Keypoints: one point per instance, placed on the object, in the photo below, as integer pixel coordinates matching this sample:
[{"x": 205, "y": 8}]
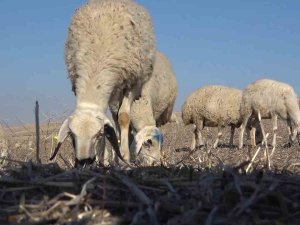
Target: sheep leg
[
  {"x": 232, "y": 130},
  {"x": 252, "y": 128},
  {"x": 252, "y": 136},
  {"x": 293, "y": 132},
  {"x": 199, "y": 137},
  {"x": 114, "y": 159},
  {"x": 242, "y": 130},
  {"x": 290, "y": 130},
  {"x": 193, "y": 145},
  {"x": 265, "y": 140},
  {"x": 218, "y": 136},
  {"x": 124, "y": 121},
  {"x": 198, "y": 133},
  {"x": 262, "y": 129},
  {"x": 274, "y": 123},
  {"x": 256, "y": 135}
]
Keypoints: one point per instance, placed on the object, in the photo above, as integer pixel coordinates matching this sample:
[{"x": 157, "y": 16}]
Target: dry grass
[
  {"x": 205, "y": 186},
  {"x": 32, "y": 194}
]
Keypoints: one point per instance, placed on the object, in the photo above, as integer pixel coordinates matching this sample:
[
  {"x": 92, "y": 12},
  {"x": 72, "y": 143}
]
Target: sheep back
[
  {"x": 214, "y": 105},
  {"x": 109, "y": 35},
  {"x": 158, "y": 95},
  {"x": 270, "y": 97}
]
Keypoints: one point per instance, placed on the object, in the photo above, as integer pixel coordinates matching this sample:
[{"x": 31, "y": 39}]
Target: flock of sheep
[
  {"x": 219, "y": 106},
  {"x": 112, "y": 62}
]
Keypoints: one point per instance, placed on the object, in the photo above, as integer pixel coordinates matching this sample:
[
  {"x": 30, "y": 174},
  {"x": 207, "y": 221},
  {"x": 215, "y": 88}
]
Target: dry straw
[{"x": 45, "y": 194}]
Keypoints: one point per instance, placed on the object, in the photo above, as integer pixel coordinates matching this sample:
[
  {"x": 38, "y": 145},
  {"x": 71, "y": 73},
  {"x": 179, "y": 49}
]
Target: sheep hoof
[
  {"x": 200, "y": 146},
  {"x": 287, "y": 145}
]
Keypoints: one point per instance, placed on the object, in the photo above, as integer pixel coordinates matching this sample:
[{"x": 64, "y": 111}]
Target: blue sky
[{"x": 208, "y": 42}]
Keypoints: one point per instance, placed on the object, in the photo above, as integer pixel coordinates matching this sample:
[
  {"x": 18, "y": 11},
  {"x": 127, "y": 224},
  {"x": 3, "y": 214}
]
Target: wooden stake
[{"x": 37, "y": 132}]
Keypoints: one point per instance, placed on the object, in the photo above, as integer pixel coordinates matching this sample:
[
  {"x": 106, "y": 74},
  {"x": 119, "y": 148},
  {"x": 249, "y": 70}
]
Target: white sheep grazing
[
  {"x": 269, "y": 99},
  {"x": 109, "y": 53},
  {"x": 212, "y": 106},
  {"x": 152, "y": 110}
]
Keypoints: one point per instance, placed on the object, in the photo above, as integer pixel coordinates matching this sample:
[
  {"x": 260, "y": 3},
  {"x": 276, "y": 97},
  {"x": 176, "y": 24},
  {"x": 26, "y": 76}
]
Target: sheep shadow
[
  {"x": 227, "y": 146},
  {"x": 188, "y": 149}
]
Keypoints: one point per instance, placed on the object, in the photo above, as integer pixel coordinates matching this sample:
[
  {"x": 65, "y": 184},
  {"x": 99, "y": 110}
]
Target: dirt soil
[
  {"x": 177, "y": 139},
  {"x": 205, "y": 186}
]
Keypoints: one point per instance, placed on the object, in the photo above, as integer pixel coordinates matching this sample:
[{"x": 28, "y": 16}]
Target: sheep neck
[{"x": 95, "y": 91}]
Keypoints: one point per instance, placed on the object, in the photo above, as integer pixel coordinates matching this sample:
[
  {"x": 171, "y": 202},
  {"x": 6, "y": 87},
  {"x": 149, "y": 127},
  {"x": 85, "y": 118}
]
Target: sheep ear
[
  {"x": 112, "y": 137},
  {"x": 138, "y": 147},
  {"x": 63, "y": 133}
]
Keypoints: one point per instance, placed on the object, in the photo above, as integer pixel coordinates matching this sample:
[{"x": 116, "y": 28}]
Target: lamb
[
  {"x": 269, "y": 99},
  {"x": 212, "y": 106},
  {"x": 109, "y": 54},
  {"x": 152, "y": 110}
]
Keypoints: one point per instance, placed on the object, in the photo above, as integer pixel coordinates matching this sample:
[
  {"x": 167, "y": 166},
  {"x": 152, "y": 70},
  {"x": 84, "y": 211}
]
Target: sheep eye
[{"x": 148, "y": 143}]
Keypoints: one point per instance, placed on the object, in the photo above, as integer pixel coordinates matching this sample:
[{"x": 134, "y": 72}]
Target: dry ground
[
  {"x": 177, "y": 139},
  {"x": 207, "y": 186}
]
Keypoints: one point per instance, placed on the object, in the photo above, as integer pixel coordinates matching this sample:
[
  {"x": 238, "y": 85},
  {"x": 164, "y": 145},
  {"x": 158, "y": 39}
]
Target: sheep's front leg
[
  {"x": 290, "y": 129},
  {"x": 124, "y": 121},
  {"x": 220, "y": 128},
  {"x": 255, "y": 132},
  {"x": 262, "y": 130},
  {"x": 274, "y": 123},
  {"x": 193, "y": 145},
  {"x": 232, "y": 130},
  {"x": 242, "y": 130},
  {"x": 198, "y": 133},
  {"x": 197, "y": 139},
  {"x": 252, "y": 136},
  {"x": 291, "y": 132},
  {"x": 264, "y": 140}
]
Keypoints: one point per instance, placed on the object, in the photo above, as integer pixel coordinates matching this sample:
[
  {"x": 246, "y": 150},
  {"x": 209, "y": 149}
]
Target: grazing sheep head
[
  {"x": 148, "y": 146},
  {"x": 87, "y": 128}
]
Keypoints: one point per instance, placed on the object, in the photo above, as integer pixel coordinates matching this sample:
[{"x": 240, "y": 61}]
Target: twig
[
  {"x": 256, "y": 153},
  {"x": 83, "y": 193},
  {"x": 209, "y": 219},
  {"x": 140, "y": 194},
  {"x": 272, "y": 152},
  {"x": 252, "y": 160},
  {"x": 187, "y": 156}
]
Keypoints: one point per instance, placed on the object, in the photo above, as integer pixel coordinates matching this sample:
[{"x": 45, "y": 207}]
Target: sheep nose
[{"x": 83, "y": 162}]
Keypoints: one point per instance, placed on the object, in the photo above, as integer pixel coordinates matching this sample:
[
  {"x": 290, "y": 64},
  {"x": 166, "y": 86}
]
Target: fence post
[{"x": 37, "y": 132}]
